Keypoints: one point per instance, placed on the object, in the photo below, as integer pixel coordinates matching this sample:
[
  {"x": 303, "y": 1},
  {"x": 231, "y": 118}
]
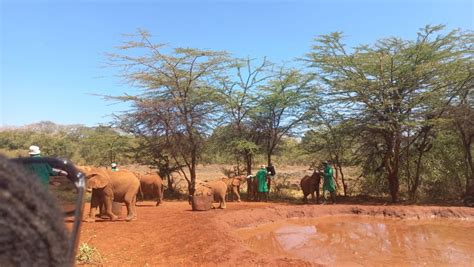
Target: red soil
[{"x": 172, "y": 234}]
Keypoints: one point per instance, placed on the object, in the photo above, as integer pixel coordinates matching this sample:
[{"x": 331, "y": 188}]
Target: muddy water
[{"x": 366, "y": 241}]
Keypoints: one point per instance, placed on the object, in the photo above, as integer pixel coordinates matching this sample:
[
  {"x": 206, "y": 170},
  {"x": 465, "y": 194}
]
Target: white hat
[
  {"x": 113, "y": 164},
  {"x": 34, "y": 150}
]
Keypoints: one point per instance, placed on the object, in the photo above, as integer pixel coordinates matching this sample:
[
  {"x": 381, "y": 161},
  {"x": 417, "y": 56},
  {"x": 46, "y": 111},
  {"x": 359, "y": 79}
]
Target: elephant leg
[
  {"x": 95, "y": 202},
  {"x": 317, "y": 193},
  {"x": 235, "y": 190},
  {"x": 313, "y": 197},
  {"x": 305, "y": 198},
  {"x": 222, "y": 204},
  {"x": 101, "y": 209},
  {"x": 159, "y": 192},
  {"x": 108, "y": 208},
  {"x": 130, "y": 202}
]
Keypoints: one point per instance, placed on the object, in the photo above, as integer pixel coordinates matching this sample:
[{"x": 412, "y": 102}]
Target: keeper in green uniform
[
  {"x": 262, "y": 183},
  {"x": 329, "y": 184},
  {"x": 42, "y": 170}
]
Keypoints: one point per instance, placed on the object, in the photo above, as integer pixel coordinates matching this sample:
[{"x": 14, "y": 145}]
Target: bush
[{"x": 88, "y": 255}]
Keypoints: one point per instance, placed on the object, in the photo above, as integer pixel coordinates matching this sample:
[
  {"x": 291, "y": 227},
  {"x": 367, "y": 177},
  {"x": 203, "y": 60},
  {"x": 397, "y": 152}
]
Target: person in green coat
[
  {"x": 41, "y": 170},
  {"x": 262, "y": 183},
  {"x": 114, "y": 166},
  {"x": 329, "y": 184}
]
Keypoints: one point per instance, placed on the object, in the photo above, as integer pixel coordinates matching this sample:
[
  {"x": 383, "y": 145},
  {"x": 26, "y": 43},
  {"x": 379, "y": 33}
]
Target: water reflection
[{"x": 359, "y": 240}]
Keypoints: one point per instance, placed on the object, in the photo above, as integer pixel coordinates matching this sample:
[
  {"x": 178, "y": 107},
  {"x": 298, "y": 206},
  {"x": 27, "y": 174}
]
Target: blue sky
[{"x": 52, "y": 52}]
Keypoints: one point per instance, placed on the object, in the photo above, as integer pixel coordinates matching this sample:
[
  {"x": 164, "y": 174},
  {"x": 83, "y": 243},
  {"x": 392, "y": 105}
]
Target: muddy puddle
[{"x": 366, "y": 241}]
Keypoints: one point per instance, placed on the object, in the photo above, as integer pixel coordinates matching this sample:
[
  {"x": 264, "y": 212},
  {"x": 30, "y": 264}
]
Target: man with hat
[
  {"x": 42, "y": 170},
  {"x": 329, "y": 184},
  {"x": 114, "y": 166}
]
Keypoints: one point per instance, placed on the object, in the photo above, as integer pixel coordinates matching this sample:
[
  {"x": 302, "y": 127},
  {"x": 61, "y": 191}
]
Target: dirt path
[{"x": 174, "y": 235}]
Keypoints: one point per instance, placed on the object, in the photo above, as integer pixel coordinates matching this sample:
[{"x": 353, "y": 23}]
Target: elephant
[
  {"x": 207, "y": 192},
  {"x": 309, "y": 185},
  {"x": 233, "y": 185},
  {"x": 151, "y": 185},
  {"x": 252, "y": 187},
  {"x": 112, "y": 186}
]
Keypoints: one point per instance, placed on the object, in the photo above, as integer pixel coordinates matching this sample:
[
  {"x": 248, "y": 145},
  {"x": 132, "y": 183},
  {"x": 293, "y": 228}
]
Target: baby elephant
[
  {"x": 151, "y": 185},
  {"x": 112, "y": 186},
  {"x": 309, "y": 185},
  {"x": 207, "y": 192}
]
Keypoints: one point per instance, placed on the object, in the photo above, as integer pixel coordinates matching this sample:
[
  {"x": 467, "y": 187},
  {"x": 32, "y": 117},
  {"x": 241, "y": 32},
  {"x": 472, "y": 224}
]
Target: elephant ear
[{"x": 98, "y": 180}]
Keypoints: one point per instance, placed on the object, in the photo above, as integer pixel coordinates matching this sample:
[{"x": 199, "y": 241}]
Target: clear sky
[{"x": 52, "y": 52}]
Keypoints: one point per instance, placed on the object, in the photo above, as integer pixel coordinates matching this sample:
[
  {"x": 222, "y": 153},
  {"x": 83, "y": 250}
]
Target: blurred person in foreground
[
  {"x": 42, "y": 170},
  {"x": 32, "y": 231}
]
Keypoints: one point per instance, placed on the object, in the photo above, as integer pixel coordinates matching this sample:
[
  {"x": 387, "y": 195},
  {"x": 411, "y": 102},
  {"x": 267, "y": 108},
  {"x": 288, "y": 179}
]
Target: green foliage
[
  {"x": 83, "y": 145},
  {"x": 392, "y": 88}
]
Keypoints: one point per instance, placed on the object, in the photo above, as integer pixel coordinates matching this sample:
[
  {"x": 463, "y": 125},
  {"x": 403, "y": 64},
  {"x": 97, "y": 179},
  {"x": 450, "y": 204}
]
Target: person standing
[
  {"x": 114, "y": 166},
  {"x": 42, "y": 170},
  {"x": 329, "y": 184},
  {"x": 262, "y": 183},
  {"x": 271, "y": 174}
]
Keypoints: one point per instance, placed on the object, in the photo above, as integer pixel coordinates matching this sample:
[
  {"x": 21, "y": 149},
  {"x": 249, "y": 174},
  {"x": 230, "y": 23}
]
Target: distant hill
[{"x": 47, "y": 127}]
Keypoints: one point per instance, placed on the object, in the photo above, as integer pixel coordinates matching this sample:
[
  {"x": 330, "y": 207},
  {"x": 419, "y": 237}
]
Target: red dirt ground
[{"x": 172, "y": 234}]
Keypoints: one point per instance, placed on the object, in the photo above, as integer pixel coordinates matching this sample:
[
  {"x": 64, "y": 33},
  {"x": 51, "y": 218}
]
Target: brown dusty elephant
[
  {"x": 309, "y": 185},
  {"x": 233, "y": 185},
  {"x": 151, "y": 185},
  {"x": 252, "y": 187},
  {"x": 207, "y": 192},
  {"x": 112, "y": 186}
]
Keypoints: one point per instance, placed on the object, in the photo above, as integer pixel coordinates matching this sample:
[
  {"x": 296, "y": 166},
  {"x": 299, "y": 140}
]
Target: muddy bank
[
  {"x": 171, "y": 234},
  {"x": 273, "y": 213}
]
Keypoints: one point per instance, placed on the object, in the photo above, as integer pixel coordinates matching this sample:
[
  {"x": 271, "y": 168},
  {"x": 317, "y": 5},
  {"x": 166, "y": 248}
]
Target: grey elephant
[
  {"x": 207, "y": 192},
  {"x": 112, "y": 186},
  {"x": 310, "y": 184}
]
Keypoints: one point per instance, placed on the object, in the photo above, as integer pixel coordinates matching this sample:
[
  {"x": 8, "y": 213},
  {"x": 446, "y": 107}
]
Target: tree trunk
[
  {"x": 248, "y": 161},
  {"x": 269, "y": 158},
  {"x": 192, "y": 172},
  {"x": 344, "y": 186},
  {"x": 416, "y": 182},
  {"x": 170, "y": 183},
  {"x": 392, "y": 163},
  {"x": 394, "y": 186},
  {"x": 338, "y": 166}
]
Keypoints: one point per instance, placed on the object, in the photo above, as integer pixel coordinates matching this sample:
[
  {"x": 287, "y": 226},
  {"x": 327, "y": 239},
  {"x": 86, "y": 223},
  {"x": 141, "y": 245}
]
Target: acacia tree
[
  {"x": 390, "y": 88},
  {"x": 178, "y": 98},
  {"x": 282, "y": 107},
  {"x": 462, "y": 116},
  {"x": 330, "y": 137},
  {"x": 238, "y": 99}
]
